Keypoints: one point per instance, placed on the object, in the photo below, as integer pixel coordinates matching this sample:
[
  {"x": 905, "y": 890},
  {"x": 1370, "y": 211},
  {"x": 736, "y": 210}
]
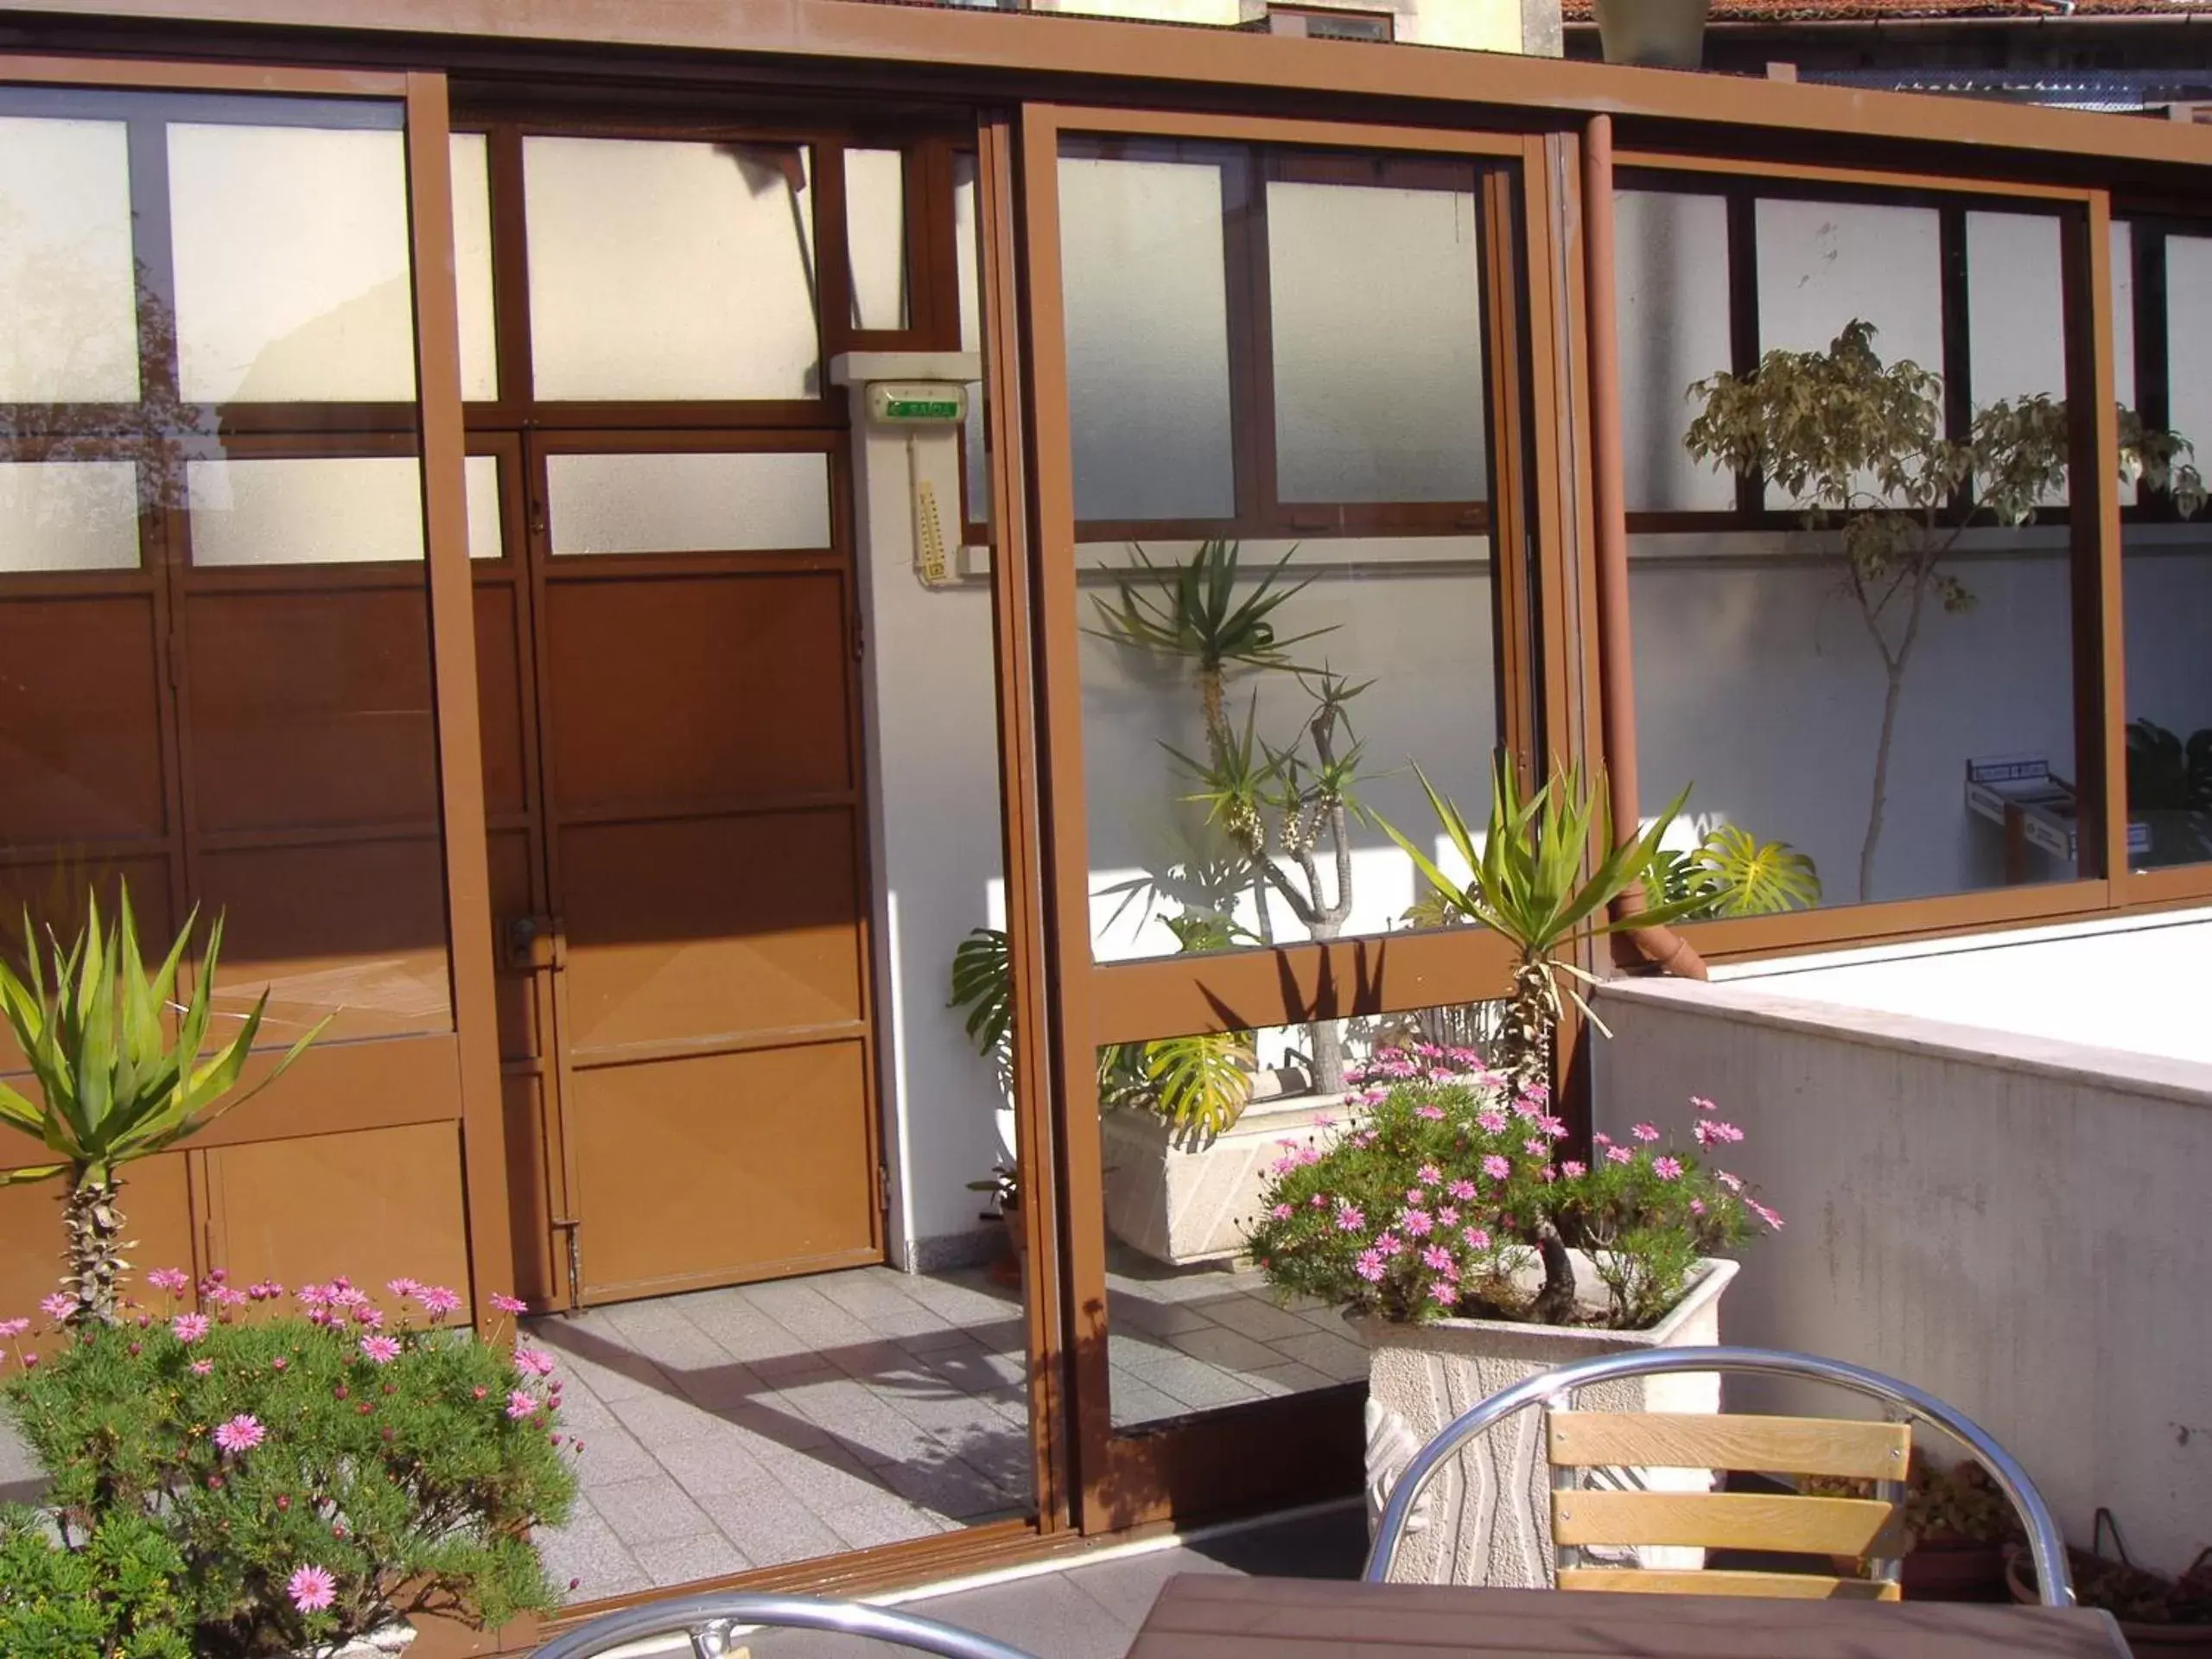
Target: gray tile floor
[{"x": 730, "y": 1429}]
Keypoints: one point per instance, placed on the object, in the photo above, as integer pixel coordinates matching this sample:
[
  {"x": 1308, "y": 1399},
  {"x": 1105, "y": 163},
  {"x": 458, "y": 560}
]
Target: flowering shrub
[
  {"x": 1447, "y": 1195},
  {"x": 322, "y": 1470}
]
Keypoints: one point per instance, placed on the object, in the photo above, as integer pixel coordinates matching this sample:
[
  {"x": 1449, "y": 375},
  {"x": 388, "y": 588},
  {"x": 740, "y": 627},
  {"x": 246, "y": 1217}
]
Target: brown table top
[{"x": 1206, "y": 1616}]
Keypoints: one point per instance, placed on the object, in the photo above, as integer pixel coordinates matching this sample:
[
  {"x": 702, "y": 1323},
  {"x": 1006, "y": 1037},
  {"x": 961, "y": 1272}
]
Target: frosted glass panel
[
  {"x": 688, "y": 504},
  {"x": 2015, "y": 306},
  {"x": 291, "y": 265},
  {"x": 2189, "y": 341},
  {"x": 1378, "y": 346},
  {"x": 307, "y": 510},
  {"x": 1671, "y": 253},
  {"x": 472, "y": 253},
  {"x": 671, "y": 270},
  {"x": 485, "y": 539},
  {"x": 69, "y": 515},
  {"x": 1148, "y": 336},
  {"x": 67, "y": 330},
  {"x": 1821, "y": 263},
  {"x": 875, "y": 232},
  {"x": 965, "y": 247}
]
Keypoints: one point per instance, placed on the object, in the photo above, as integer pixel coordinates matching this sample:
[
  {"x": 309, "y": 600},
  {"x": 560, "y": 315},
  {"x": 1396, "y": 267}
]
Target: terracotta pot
[
  {"x": 2147, "y": 1640},
  {"x": 1945, "y": 1567},
  {"x": 1656, "y": 33}
]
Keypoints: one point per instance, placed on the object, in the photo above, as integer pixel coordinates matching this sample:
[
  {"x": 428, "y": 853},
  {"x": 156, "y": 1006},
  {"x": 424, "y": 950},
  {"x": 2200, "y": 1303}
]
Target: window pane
[
  {"x": 69, "y": 515},
  {"x": 485, "y": 539},
  {"x": 1374, "y": 401},
  {"x": 291, "y": 265},
  {"x": 965, "y": 245},
  {"x": 1881, "y": 728},
  {"x": 875, "y": 232},
  {"x": 306, "y": 510},
  {"x": 688, "y": 503},
  {"x": 472, "y": 251},
  {"x": 1212, "y": 817},
  {"x": 1671, "y": 252},
  {"x": 1142, "y": 267},
  {"x": 2168, "y": 594},
  {"x": 69, "y": 332},
  {"x": 2016, "y": 326},
  {"x": 671, "y": 270},
  {"x": 1822, "y": 264}
]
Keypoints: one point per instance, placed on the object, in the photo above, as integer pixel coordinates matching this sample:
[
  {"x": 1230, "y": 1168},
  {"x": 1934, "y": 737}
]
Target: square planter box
[
  {"x": 1187, "y": 1204},
  {"x": 1485, "y": 1517}
]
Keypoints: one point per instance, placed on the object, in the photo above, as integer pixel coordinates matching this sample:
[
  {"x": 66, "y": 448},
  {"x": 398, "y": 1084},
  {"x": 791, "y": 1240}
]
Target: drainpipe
[{"x": 1615, "y": 660}]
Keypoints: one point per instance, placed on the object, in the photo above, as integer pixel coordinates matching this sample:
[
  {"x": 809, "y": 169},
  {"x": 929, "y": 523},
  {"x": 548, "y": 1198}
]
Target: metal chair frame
[
  {"x": 712, "y": 1620},
  {"x": 1552, "y": 1390}
]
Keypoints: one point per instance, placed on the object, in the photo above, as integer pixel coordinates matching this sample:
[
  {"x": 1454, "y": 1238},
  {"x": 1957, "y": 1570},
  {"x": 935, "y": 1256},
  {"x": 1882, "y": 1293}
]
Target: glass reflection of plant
[
  {"x": 1732, "y": 872},
  {"x": 1198, "y": 1084},
  {"x": 2170, "y": 784},
  {"x": 1862, "y": 447},
  {"x": 1286, "y": 811}
]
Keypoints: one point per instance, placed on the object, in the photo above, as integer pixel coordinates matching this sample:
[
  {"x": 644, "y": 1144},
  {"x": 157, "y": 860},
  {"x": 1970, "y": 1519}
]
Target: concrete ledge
[{"x": 2187, "y": 1082}]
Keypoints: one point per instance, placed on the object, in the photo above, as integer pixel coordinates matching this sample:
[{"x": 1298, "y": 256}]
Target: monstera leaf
[{"x": 1748, "y": 877}]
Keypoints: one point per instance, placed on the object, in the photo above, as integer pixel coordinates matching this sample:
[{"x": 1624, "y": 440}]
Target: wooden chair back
[{"x": 1863, "y": 1537}]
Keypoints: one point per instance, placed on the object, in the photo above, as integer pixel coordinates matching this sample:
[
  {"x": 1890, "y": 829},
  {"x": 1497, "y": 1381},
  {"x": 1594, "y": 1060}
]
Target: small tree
[
  {"x": 1862, "y": 449},
  {"x": 114, "y": 1085}
]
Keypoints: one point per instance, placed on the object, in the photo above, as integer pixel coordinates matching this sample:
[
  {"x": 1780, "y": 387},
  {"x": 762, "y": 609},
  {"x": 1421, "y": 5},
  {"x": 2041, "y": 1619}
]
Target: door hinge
[{"x": 883, "y": 1189}]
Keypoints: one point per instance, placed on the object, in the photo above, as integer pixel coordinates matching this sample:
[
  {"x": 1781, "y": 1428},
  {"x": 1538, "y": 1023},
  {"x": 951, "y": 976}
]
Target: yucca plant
[
  {"x": 1528, "y": 886},
  {"x": 114, "y": 1084}
]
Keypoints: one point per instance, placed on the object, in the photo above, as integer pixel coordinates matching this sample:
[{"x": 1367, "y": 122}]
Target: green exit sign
[{"x": 924, "y": 404}]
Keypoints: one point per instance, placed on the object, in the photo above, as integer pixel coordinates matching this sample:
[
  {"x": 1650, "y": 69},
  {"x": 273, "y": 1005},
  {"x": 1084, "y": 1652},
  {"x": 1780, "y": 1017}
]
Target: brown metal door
[{"x": 701, "y": 957}]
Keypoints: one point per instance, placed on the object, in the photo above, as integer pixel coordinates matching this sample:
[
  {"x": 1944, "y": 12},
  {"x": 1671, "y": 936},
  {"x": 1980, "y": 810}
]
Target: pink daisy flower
[
  {"x": 1573, "y": 1171},
  {"x": 171, "y": 1280},
  {"x": 1599, "y": 1138},
  {"x": 242, "y": 1434},
  {"x": 1348, "y": 1220},
  {"x": 1434, "y": 1113},
  {"x": 403, "y": 1288},
  {"x": 1492, "y": 1122},
  {"x": 1444, "y": 1293},
  {"x": 188, "y": 1327},
  {"x": 1462, "y": 1189},
  {"x": 1764, "y": 1214},
  {"x": 1428, "y": 1175},
  {"x": 1369, "y": 1266},
  {"x": 60, "y": 1305},
  {"x": 312, "y": 1589},
  {"x": 381, "y": 1350},
  {"x": 1497, "y": 1165},
  {"x": 10, "y": 1329},
  {"x": 1618, "y": 1155},
  {"x": 1643, "y": 1132},
  {"x": 1667, "y": 1169},
  {"x": 1447, "y": 1215},
  {"x": 438, "y": 1301},
  {"x": 1535, "y": 1149},
  {"x": 203, "y": 1368},
  {"x": 1389, "y": 1243},
  {"x": 1280, "y": 1212},
  {"x": 1418, "y": 1222},
  {"x": 1437, "y": 1259},
  {"x": 1734, "y": 1182},
  {"x": 1702, "y": 1103},
  {"x": 1477, "y": 1238},
  {"x": 521, "y": 1404}
]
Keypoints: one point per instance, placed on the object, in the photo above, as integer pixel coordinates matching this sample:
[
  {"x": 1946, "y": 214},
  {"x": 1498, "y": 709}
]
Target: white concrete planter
[
  {"x": 1486, "y": 1518},
  {"x": 1185, "y": 1205}
]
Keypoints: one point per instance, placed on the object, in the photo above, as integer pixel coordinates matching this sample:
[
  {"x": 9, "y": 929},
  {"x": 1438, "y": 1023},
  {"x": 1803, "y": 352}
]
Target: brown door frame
[{"x": 1233, "y": 1458}]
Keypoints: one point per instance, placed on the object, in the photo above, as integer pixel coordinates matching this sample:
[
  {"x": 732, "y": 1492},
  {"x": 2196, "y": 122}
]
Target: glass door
[{"x": 1284, "y": 455}]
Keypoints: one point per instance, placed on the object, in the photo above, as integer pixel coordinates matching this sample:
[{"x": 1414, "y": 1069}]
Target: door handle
[{"x": 536, "y": 945}]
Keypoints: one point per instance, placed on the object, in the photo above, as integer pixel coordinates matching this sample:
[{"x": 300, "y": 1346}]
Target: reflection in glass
[
  {"x": 1376, "y": 402},
  {"x": 68, "y": 333},
  {"x": 2167, "y": 574},
  {"x": 966, "y": 246},
  {"x": 671, "y": 270},
  {"x": 1673, "y": 298},
  {"x": 291, "y": 255},
  {"x": 1192, "y": 1326},
  {"x": 1142, "y": 260}
]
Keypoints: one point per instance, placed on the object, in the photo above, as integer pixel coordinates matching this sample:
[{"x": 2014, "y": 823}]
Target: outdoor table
[{"x": 1201, "y": 1615}]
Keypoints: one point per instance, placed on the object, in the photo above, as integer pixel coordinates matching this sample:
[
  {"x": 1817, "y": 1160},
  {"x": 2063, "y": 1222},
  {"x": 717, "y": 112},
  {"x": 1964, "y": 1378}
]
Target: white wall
[
  {"x": 931, "y": 720},
  {"x": 2017, "y": 1224}
]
